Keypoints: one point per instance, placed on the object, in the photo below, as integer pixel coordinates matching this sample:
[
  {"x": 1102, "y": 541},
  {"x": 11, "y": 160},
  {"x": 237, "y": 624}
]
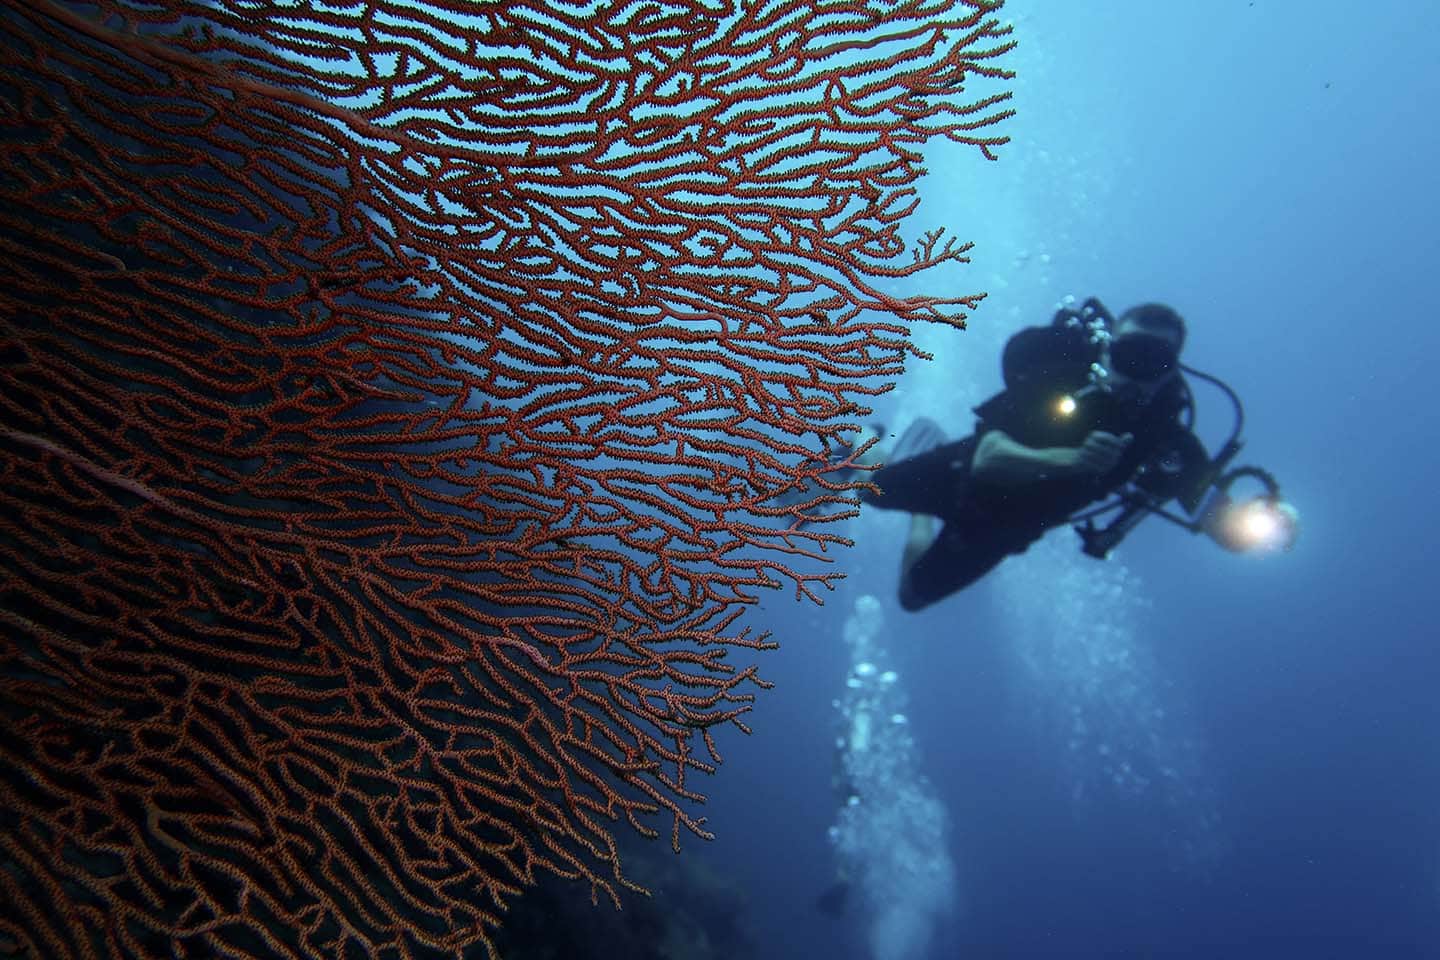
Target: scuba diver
[{"x": 1093, "y": 407}]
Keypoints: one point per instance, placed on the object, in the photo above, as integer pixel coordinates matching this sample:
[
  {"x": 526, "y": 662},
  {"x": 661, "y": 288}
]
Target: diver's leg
[
  {"x": 875, "y": 449},
  {"x": 934, "y": 482},
  {"x": 949, "y": 563}
]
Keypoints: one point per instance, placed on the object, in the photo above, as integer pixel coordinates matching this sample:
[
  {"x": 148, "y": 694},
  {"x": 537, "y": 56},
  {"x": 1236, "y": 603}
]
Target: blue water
[{"x": 1178, "y": 752}]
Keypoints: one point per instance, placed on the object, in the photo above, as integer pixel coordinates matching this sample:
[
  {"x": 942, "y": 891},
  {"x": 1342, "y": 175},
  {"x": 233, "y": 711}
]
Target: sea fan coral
[{"x": 400, "y": 404}]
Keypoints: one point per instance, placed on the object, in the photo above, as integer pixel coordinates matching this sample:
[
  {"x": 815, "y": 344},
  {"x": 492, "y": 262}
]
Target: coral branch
[{"x": 399, "y": 404}]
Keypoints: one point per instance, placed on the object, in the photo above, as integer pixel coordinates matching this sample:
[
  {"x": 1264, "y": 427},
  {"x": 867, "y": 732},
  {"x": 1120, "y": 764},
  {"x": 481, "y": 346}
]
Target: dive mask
[{"x": 1142, "y": 357}]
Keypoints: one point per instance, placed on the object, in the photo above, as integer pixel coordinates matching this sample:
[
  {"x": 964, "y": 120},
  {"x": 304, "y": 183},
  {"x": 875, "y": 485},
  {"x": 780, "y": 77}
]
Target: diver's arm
[{"x": 1002, "y": 460}]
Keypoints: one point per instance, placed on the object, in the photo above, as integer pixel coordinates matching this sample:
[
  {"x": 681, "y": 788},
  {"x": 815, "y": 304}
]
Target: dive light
[{"x": 1262, "y": 523}]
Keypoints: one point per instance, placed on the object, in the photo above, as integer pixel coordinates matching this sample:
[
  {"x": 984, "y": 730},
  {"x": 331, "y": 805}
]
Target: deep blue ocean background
[{"x": 1178, "y": 752}]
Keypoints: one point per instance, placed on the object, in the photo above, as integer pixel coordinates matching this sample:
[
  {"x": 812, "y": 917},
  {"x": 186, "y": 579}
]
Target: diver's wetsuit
[{"x": 983, "y": 523}]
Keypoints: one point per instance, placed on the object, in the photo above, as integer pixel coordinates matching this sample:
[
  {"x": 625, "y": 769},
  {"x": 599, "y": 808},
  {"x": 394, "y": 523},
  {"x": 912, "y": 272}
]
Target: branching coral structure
[{"x": 400, "y": 405}]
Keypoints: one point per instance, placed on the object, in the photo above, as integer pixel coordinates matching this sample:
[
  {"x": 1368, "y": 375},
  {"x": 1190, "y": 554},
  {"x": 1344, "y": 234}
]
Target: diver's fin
[{"x": 922, "y": 436}]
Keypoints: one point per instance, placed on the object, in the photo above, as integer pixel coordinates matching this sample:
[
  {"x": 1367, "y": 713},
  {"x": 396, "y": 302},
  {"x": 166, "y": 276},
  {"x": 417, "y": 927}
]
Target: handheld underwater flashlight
[{"x": 1263, "y": 523}]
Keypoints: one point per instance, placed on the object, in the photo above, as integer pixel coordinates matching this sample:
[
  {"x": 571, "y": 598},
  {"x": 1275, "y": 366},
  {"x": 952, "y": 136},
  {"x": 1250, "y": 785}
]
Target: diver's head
[{"x": 1143, "y": 353}]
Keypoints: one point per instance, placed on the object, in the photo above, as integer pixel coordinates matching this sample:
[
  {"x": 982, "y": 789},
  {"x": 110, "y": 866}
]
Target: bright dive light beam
[
  {"x": 1264, "y": 524},
  {"x": 1260, "y": 522}
]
